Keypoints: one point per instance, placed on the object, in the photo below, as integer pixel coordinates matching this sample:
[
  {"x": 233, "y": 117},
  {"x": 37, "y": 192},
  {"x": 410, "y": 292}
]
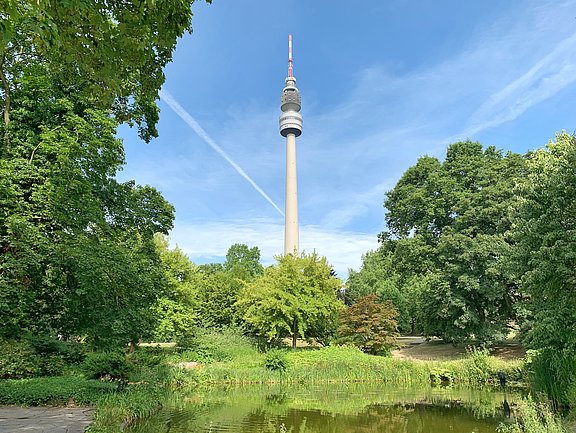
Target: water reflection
[{"x": 332, "y": 408}]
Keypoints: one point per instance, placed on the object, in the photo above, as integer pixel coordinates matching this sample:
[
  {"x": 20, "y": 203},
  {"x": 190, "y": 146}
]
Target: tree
[
  {"x": 297, "y": 297},
  {"x": 378, "y": 276},
  {"x": 543, "y": 244},
  {"x": 218, "y": 285},
  {"x": 243, "y": 262},
  {"x": 178, "y": 311},
  {"x": 217, "y": 293},
  {"x": 369, "y": 325},
  {"x": 76, "y": 249},
  {"x": 113, "y": 52},
  {"x": 447, "y": 225}
]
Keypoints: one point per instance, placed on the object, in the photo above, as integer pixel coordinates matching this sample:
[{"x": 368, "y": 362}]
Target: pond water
[{"x": 332, "y": 409}]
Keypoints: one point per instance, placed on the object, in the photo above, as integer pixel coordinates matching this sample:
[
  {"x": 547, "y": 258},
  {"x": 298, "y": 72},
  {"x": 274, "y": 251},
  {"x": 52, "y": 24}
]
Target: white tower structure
[{"x": 291, "y": 127}]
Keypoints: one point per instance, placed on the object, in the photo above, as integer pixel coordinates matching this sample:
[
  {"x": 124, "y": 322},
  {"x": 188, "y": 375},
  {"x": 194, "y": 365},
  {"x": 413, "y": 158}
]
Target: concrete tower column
[
  {"x": 291, "y": 231},
  {"x": 291, "y": 127}
]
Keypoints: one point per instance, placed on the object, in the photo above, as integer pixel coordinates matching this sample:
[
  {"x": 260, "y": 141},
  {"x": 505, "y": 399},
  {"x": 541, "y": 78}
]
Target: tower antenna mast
[{"x": 290, "y": 55}]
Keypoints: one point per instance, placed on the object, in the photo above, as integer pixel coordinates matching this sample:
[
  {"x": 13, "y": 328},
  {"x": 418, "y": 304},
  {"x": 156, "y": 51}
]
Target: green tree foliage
[
  {"x": 378, "y": 276},
  {"x": 217, "y": 293},
  {"x": 243, "y": 262},
  {"x": 447, "y": 223},
  {"x": 113, "y": 52},
  {"x": 297, "y": 297},
  {"x": 219, "y": 285},
  {"x": 369, "y": 325},
  {"x": 544, "y": 244},
  {"x": 76, "y": 249},
  {"x": 177, "y": 312}
]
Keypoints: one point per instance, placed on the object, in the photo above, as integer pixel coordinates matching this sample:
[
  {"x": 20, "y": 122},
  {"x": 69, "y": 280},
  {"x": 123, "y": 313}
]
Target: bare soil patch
[{"x": 416, "y": 348}]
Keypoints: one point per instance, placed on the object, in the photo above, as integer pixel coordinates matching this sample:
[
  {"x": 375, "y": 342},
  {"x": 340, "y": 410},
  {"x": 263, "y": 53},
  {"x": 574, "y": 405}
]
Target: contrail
[{"x": 192, "y": 123}]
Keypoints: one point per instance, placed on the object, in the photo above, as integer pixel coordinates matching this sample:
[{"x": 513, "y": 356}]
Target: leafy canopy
[
  {"x": 112, "y": 52},
  {"x": 447, "y": 223},
  {"x": 544, "y": 244},
  {"x": 296, "y": 297}
]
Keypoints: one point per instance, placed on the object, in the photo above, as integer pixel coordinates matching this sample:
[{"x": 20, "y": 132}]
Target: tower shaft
[{"x": 291, "y": 231}]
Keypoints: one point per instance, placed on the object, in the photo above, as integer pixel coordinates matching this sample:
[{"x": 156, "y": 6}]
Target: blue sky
[{"x": 382, "y": 83}]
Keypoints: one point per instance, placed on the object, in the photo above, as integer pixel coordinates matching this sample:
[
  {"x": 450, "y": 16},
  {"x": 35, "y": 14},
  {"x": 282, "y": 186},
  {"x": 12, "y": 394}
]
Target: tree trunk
[
  {"x": 294, "y": 333},
  {"x": 6, "y": 94}
]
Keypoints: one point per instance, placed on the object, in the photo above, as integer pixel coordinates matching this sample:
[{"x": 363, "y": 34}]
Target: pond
[{"x": 333, "y": 409}]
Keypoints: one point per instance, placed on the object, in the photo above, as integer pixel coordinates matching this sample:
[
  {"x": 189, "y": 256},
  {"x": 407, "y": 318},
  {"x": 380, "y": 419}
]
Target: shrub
[
  {"x": 222, "y": 345},
  {"x": 106, "y": 365},
  {"x": 52, "y": 390},
  {"x": 46, "y": 346},
  {"x": 18, "y": 360},
  {"x": 477, "y": 366},
  {"x": 276, "y": 360},
  {"x": 369, "y": 325}
]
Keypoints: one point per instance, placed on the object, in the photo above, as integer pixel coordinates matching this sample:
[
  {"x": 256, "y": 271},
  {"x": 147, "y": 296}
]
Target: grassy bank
[{"x": 241, "y": 363}]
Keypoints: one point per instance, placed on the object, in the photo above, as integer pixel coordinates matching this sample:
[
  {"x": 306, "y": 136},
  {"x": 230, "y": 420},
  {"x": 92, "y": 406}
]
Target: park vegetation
[{"x": 477, "y": 245}]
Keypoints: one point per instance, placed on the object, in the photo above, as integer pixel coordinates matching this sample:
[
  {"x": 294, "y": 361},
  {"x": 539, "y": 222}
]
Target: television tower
[{"x": 290, "y": 127}]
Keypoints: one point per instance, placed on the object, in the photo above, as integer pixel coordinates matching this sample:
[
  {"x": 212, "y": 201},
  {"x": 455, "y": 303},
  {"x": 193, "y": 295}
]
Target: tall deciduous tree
[
  {"x": 177, "y": 312},
  {"x": 544, "y": 244},
  {"x": 447, "y": 222},
  {"x": 113, "y": 52},
  {"x": 295, "y": 298},
  {"x": 243, "y": 262},
  {"x": 76, "y": 249}
]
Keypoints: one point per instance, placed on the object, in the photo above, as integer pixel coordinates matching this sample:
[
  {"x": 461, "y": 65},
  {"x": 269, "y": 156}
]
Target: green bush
[
  {"x": 46, "y": 346},
  {"x": 276, "y": 360},
  {"x": 53, "y": 390},
  {"x": 477, "y": 365},
  {"x": 222, "y": 345},
  {"x": 150, "y": 356},
  {"x": 18, "y": 360},
  {"x": 107, "y": 365}
]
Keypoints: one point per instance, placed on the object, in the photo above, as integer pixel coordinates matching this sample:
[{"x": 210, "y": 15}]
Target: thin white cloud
[
  {"x": 190, "y": 121},
  {"x": 547, "y": 77},
  {"x": 211, "y": 239}
]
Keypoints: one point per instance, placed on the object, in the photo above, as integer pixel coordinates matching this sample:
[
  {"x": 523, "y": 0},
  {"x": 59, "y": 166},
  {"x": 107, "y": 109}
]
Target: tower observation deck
[{"x": 291, "y": 127}]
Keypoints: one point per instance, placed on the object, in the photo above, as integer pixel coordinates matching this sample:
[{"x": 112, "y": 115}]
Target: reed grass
[
  {"x": 114, "y": 411},
  {"x": 532, "y": 417}
]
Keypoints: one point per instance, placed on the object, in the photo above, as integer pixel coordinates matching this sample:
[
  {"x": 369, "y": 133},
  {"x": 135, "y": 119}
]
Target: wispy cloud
[
  {"x": 547, "y": 77},
  {"x": 190, "y": 121},
  {"x": 210, "y": 240}
]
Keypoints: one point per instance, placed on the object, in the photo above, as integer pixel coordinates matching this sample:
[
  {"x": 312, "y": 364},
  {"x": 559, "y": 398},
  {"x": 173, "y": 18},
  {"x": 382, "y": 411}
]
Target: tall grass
[
  {"x": 115, "y": 410},
  {"x": 533, "y": 417},
  {"x": 554, "y": 374}
]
